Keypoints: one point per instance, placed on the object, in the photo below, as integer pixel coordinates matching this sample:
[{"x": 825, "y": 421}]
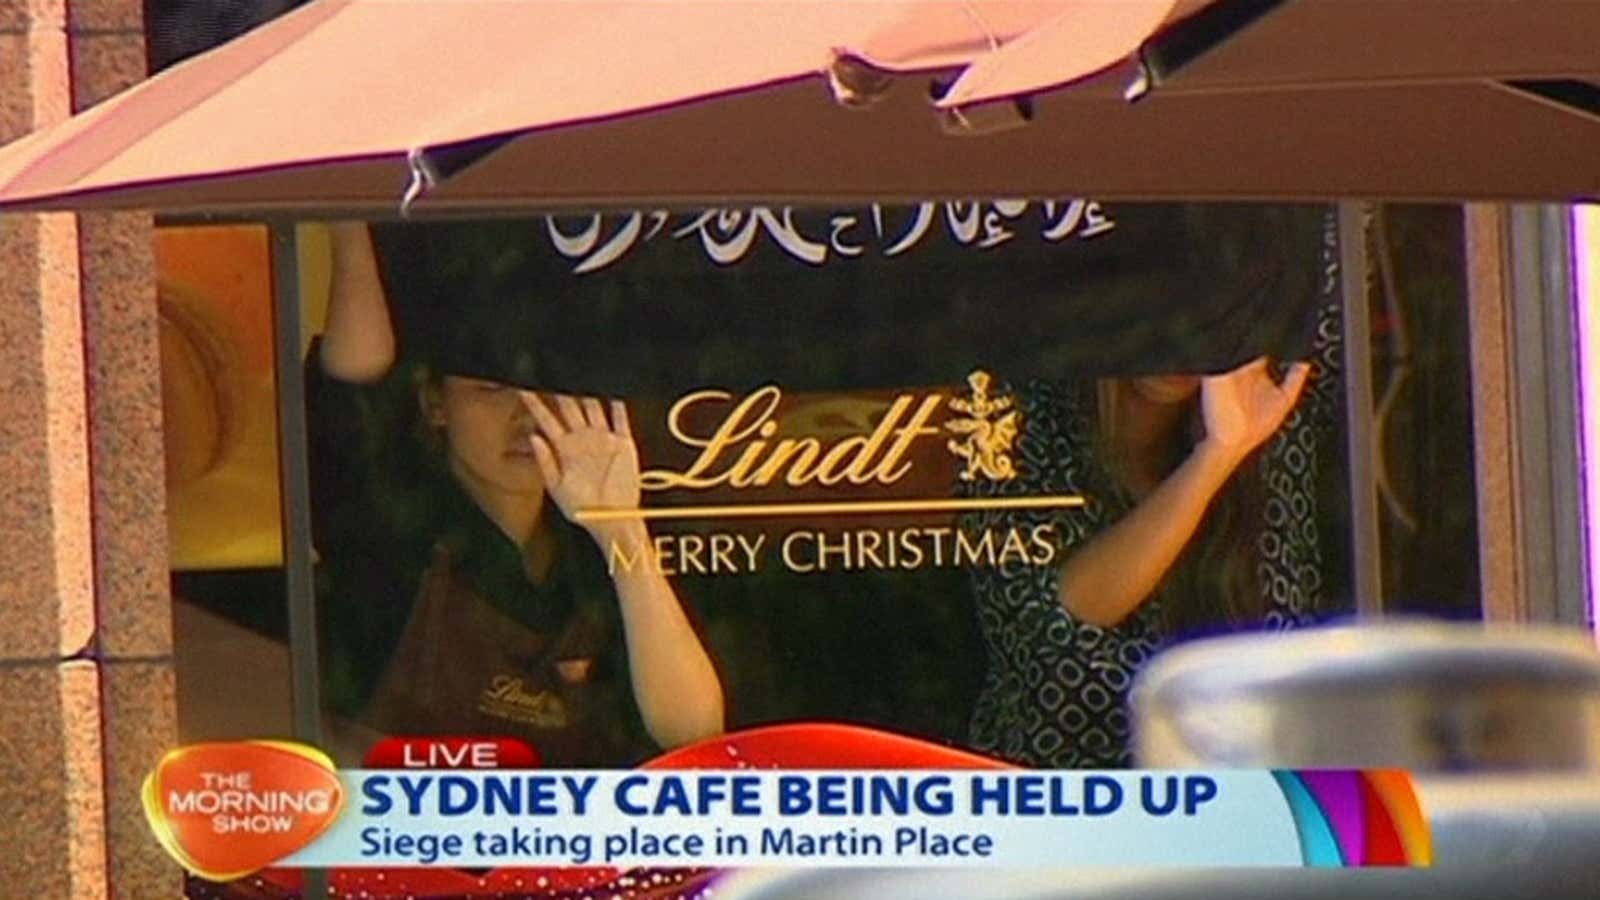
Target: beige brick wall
[{"x": 86, "y": 675}]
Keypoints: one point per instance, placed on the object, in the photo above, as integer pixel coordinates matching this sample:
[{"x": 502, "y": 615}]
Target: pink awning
[{"x": 654, "y": 101}]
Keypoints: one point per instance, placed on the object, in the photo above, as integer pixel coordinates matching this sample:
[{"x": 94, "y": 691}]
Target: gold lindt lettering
[
  {"x": 799, "y": 472},
  {"x": 917, "y": 427},
  {"x": 733, "y": 429},
  {"x": 745, "y": 434}
]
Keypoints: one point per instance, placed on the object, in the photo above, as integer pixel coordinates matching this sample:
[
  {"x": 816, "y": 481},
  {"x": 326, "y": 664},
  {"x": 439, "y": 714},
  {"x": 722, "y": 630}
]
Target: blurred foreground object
[
  {"x": 1500, "y": 725},
  {"x": 1419, "y": 696}
]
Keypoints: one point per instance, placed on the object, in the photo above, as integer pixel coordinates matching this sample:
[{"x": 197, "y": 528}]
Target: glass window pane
[
  {"x": 955, "y": 470},
  {"x": 220, "y": 425},
  {"x": 1422, "y": 417}
]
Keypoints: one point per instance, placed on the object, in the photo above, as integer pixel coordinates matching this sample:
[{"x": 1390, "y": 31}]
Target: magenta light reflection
[{"x": 1586, "y": 269}]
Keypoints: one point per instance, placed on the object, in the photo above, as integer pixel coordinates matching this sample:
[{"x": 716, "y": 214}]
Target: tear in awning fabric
[{"x": 552, "y": 104}]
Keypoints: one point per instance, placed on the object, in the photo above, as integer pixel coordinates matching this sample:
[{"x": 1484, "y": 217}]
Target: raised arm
[
  {"x": 1109, "y": 577},
  {"x": 590, "y": 463},
  {"x": 358, "y": 341}
]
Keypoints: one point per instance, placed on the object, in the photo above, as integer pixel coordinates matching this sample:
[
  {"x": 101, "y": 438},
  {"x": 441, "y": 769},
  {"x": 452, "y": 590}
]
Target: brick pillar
[
  {"x": 86, "y": 675},
  {"x": 51, "y": 776},
  {"x": 1494, "y": 417}
]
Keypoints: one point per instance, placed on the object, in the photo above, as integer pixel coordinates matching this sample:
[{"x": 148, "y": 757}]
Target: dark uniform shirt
[{"x": 430, "y": 620}]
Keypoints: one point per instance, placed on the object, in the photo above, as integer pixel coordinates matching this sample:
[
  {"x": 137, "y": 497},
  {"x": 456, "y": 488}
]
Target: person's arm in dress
[
  {"x": 592, "y": 464},
  {"x": 1112, "y": 575}
]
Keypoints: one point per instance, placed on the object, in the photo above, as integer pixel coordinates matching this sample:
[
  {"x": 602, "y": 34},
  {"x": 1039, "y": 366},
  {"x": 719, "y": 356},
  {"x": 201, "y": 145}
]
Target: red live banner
[{"x": 451, "y": 753}]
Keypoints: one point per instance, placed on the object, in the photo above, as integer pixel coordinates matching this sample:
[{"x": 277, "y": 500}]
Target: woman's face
[
  {"x": 487, "y": 430},
  {"x": 1167, "y": 389}
]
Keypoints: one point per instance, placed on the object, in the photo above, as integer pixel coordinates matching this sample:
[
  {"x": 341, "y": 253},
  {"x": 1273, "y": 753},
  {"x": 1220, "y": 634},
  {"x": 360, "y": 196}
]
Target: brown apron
[{"x": 461, "y": 666}]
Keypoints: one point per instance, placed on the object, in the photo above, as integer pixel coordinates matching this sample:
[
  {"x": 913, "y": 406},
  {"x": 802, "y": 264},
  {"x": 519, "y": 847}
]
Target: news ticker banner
[{"x": 227, "y": 810}]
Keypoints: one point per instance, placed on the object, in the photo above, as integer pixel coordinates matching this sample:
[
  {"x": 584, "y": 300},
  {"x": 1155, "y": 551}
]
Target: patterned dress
[{"x": 1056, "y": 689}]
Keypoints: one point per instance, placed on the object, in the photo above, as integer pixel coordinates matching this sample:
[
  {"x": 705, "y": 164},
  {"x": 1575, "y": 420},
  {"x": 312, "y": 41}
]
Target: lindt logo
[
  {"x": 742, "y": 449},
  {"x": 740, "y": 443}
]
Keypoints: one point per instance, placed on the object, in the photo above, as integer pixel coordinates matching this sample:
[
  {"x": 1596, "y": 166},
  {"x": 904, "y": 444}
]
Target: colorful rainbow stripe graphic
[{"x": 1349, "y": 818}]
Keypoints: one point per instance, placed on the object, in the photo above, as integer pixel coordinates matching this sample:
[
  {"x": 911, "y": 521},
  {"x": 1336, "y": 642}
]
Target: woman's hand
[
  {"x": 588, "y": 462},
  {"x": 1245, "y": 407},
  {"x": 1114, "y": 573}
]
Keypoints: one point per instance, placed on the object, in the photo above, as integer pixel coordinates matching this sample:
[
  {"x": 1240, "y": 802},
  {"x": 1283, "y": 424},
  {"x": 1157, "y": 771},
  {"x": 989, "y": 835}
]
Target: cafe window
[
  {"x": 613, "y": 483},
  {"x": 869, "y": 443},
  {"x": 214, "y": 295},
  {"x": 1421, "y": 430}
]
